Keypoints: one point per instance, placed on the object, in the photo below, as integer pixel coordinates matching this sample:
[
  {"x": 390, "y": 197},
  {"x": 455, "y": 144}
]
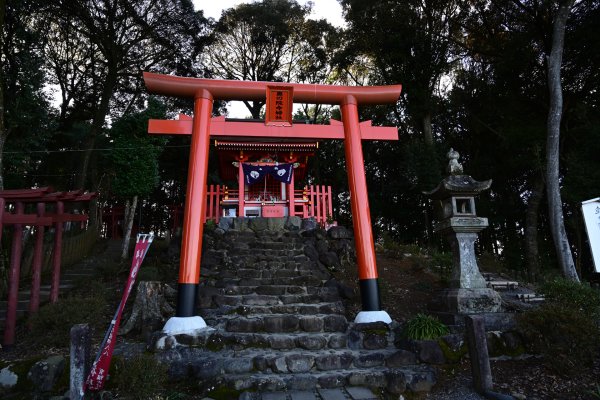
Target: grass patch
[
  {"x": 424, "y": 327},
  {"x": 51, "y": 325},
  {"x": 565, "y": 328},
  {"x": 141, "y": 377}
]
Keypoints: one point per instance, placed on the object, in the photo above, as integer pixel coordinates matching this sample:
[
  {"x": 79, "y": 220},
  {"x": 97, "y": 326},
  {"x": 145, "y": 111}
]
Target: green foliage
[
  {"x": 574, "y": 296},
  {"x": 566, "y": 337},
  {"x": 565, "y": 329},
  {"x": 452, "y": 355},
  {"x": 210, "y": 225},
  {"x": 135, "y": 155},
  {"x": 595, "y": 393},
  {"x": 141, "y": 377},
  {"x": 389, "y": 243},
  {"x": 441, "y": 262},
  {"x": 424, "y": 327},
  {"x": 52, "y": 323},
  {"x": 224, "y": 393}
]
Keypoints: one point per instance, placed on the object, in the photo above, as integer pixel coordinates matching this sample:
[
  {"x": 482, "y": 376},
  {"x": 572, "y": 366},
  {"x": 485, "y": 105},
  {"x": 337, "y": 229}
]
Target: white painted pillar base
[
  {"x": 364, "y": 317},
  {"x": 179, "y": 325}
]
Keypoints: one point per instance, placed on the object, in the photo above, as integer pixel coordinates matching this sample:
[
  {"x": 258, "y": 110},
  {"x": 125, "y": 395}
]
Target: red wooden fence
[{"x": 313, "y": 201}]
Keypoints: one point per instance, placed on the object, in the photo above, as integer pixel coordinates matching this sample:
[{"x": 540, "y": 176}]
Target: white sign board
[{"x": 591, "y": 215}]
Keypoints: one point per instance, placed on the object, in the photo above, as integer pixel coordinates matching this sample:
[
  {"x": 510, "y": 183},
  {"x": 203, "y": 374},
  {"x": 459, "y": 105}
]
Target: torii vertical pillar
[
  {"x": 361, "y": 216},
  {"x": 195, "y": 208}
]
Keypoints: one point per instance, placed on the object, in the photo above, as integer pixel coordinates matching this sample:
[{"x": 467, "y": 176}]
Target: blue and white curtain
[{"x": 256, "y": 173}]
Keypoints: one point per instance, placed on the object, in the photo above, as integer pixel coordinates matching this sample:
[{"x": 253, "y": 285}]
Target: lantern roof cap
[{"x": 459, "y": 185}]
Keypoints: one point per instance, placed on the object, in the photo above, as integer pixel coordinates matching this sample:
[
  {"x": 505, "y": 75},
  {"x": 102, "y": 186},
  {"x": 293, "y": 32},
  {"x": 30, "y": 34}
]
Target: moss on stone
[
  {"x": 21, "y": 368},
  {"x": 381, "y": 332},
  {"x": 224, "y": 393},
  {"x": 452, "y": 356},
  {"x": 63, "y": 382},
  {"x": 215, "y": 343}
]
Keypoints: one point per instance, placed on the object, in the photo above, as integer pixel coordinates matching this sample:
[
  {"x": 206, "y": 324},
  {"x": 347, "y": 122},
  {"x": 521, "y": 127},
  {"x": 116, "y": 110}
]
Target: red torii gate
[
  {"x": 40, "y": 196},
  {"x": 204, "y": 91}
]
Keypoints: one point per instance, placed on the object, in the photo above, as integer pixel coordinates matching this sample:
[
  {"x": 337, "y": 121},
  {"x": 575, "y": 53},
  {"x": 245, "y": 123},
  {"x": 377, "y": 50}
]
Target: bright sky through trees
[{"x": 327, "y": 9}]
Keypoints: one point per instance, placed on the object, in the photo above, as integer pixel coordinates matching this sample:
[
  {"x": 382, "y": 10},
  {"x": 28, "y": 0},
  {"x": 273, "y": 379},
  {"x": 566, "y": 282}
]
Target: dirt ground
[{"x": 408, "y": 283}]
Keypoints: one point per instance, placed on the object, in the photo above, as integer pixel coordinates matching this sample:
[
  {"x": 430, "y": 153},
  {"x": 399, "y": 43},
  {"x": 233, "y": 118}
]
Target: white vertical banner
[{"x": 591, "y": 215}]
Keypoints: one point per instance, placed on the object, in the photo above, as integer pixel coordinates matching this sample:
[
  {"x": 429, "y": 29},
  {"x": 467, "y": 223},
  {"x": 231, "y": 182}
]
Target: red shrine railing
[{"x": 313, "y": 201}]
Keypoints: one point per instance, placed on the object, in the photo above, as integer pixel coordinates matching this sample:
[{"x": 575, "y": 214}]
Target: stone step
[
  {"x": 87, "y": 270},
  {"x": 21, "y": 312},
  {"x": 394, "y": 380},
  {"x": 218, "y": 340},
  {"x": 26, "y": 295},
  {"x": 274, "y": 300},
  {"x": 246, "y": 271},
  {"x": 22, "y": 305},
  {"x": 266, "y": 273},
  {"x": 304, "y": 280},
  {"x": 271, "y": 245},
  {"x": 297, "y": 309},
  {"x": 273, "y": 263},
  {"x": 283, "y": 342},
  {"x": 64, "y": 285},
  {"x": 285, "y": 323},
  {"x": 274, "y": 290},
  {"x": 236, "y": 356}
]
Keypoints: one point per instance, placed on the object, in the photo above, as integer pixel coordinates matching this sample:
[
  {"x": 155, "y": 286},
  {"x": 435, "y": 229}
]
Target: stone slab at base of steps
[
  {"x": 393, "y": 380},
  {"x": 342, "y": 393}
]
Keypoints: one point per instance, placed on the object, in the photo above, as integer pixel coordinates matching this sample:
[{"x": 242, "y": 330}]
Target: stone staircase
[{"x": 278, "y": 320}]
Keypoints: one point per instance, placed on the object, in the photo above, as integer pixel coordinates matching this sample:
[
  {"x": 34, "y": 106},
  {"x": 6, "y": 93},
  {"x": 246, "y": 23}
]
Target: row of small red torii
[
  {"x": 18, "y": 219},
  {"x": 277, "y": 125}
]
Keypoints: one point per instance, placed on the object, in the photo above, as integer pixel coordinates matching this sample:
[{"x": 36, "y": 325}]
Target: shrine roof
[{"x": 264, "y": 145}]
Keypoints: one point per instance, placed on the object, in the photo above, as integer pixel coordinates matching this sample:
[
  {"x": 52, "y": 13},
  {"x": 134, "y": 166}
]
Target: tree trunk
[
  {"x": 254, "y": 108},
  {"x": 532, "y": 254},
  {"x": 150, "y": 308},
  {"x": 427, "y": 130},
  {"x": 96, "y": 128},
  {"x": 557, "y": 223},
  {"x": 129, "y": 215},
  {"x": 3, "y": 131}
]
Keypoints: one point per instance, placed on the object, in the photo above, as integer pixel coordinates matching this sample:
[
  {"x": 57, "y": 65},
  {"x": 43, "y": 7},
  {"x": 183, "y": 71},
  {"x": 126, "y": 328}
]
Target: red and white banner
[{"x": 98, "y": 374}]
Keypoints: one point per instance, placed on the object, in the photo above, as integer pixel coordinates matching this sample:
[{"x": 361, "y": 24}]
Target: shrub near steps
[{"x": 278, "y": 319}]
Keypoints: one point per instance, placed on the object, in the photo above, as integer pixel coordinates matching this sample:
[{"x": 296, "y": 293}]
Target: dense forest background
[{"x": 475, "y": 78}]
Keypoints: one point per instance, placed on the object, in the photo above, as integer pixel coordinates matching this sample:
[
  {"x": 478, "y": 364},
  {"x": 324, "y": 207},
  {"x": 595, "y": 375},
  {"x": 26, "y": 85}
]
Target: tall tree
[
  {"x": 134, "y": 161},
  {"x": 2, "y": 127},
  {"x": 555, "y": 206},
  {"x": 270, "y": 40},
  {"x": 23, "y": 105},
  {"x": 106, "y": 44},
  {"x": 410, "y": 43}
]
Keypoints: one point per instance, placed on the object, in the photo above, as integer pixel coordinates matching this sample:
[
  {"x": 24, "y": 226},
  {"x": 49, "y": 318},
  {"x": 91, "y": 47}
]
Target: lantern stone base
[{"x": 466, "y": 301}]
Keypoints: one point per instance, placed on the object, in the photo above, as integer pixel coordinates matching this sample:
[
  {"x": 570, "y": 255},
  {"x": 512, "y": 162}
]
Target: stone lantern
[{"x": 459, "y": 223}]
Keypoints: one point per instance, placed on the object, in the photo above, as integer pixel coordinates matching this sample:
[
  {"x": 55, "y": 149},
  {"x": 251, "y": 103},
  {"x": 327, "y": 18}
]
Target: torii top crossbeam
[
  {"x": 279, "y": 100},
  {"x": 227, "y": 90}
]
